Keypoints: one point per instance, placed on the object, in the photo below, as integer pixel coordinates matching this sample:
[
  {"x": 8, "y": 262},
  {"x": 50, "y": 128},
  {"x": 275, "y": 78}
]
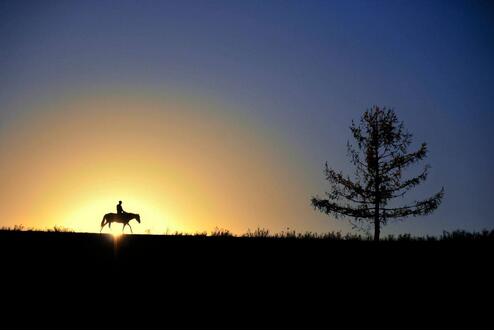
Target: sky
[{"x": 204, "y": 114}]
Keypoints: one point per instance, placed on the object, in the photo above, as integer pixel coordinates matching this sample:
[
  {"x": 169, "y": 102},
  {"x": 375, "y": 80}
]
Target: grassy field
[
  {"x": 292, "y": 234},
  {"x": 67, "y": 279}
]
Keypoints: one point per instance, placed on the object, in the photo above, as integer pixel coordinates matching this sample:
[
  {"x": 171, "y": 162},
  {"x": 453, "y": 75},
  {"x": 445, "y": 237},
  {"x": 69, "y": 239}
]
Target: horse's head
[{"x": 138, "y": 218}]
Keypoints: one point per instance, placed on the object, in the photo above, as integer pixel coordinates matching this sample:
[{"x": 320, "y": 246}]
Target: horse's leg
[
  {"x": 123, "y": 228},
  {"x": 103, "y": 223},
  {"x": 130, "y": 228}
]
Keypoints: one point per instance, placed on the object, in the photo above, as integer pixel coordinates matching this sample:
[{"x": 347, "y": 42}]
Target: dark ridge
[{"x": 83, "y": 280}]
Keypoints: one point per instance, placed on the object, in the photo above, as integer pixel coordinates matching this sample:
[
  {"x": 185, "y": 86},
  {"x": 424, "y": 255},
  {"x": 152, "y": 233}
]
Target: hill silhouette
[{"x": 83, "y": 280}]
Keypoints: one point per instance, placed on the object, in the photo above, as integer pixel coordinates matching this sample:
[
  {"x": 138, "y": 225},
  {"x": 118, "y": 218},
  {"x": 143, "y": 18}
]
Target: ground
[{"x": 76, "y": 280}]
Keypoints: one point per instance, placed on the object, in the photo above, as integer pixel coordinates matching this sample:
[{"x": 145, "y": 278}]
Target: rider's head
[{"x": 120, "y": 202}]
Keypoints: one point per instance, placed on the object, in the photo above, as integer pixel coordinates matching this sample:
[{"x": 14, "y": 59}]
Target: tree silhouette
[{"x": 380, "y": 157}]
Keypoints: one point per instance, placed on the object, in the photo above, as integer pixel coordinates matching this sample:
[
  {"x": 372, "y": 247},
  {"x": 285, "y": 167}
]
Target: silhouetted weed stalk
[{"x": 288, "y": 234}]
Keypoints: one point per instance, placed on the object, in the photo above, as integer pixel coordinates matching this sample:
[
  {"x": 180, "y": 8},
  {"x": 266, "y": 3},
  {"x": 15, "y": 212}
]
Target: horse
[{"x": 124, "y": 218}]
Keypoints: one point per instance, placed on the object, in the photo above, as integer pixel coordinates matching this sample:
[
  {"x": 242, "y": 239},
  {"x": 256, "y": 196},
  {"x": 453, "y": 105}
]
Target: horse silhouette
[{"x": 124, "y": 218}]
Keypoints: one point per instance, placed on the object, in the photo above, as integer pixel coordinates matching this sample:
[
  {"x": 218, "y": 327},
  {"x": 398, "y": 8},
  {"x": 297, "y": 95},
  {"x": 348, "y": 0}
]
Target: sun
[
  {"x": 117, "y": 235},
  {"x": 116, "y": 231}
]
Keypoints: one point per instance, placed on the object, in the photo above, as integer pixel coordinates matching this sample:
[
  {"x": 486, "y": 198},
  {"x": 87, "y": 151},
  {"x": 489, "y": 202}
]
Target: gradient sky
[{"x": 222, "y": 113}]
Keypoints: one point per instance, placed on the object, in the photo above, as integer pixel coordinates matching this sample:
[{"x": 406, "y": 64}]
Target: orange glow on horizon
[{"x": 182, "y": 165}]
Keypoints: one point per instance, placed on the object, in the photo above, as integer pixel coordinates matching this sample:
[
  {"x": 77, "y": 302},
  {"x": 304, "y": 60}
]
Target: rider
[{"x": 120, "y": 209}]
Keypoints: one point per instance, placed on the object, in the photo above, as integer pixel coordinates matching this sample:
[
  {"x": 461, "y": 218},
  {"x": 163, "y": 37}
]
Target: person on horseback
[
  {"x": 121, "y": 216},
  {"x": 120, "y": 210}
]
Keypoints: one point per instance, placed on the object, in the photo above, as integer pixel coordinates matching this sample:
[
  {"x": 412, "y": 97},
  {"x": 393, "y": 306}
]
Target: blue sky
[{"x": 303, "y": 69}]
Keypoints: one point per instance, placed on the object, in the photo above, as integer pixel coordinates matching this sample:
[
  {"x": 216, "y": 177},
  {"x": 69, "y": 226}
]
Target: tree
[{"x": 380, "y": 156}]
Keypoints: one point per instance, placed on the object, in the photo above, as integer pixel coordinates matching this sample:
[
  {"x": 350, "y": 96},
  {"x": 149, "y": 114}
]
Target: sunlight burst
[{"x": 116, "y": 233}]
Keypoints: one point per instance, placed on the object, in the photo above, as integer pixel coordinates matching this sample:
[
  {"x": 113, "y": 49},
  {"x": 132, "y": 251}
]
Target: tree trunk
[
  {"x": 377, "y": 224},
  {"x": 377, "y": 181}
]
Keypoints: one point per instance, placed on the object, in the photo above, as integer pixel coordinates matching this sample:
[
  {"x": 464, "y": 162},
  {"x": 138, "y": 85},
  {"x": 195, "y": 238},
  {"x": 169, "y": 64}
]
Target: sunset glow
[
  {"x": 181, "y": 165},
  {"x": 200, "y": 114}
]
